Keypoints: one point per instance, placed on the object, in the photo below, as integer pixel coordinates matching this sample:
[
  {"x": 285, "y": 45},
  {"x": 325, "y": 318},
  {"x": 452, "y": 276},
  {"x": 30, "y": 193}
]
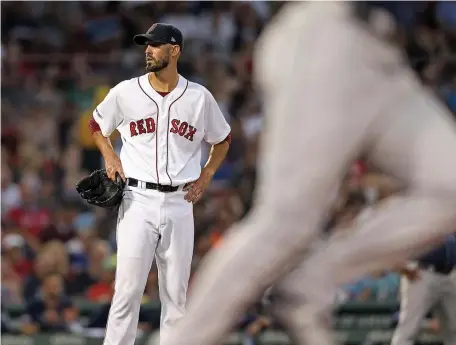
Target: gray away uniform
[{"x": 334, "y": 88}]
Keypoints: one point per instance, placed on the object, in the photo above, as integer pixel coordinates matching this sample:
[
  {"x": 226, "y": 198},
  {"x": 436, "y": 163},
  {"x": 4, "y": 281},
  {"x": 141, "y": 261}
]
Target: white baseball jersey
[{"x": 161, "y": 135}]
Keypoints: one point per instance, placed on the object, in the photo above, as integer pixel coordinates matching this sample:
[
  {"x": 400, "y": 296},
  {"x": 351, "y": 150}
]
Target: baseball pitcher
[
  {"x": 162, "y": 119},
  {"x": 335, "y": 86}
]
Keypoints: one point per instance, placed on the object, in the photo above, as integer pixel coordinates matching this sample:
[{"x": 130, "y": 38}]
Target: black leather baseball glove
[{"x": 99, "y": 190}]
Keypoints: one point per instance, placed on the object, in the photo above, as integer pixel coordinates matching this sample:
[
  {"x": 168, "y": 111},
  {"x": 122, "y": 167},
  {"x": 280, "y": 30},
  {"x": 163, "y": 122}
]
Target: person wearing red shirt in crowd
[
  {"x": 30, "y": 217},
  {"x": 14, "y": 251},
  {"x": 61, "y": 227}
]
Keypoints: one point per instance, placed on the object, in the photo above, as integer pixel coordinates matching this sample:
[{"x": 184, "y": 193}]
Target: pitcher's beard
[{"x": 151, "y": 67}]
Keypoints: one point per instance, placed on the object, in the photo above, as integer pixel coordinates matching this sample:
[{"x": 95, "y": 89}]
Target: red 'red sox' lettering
[
  {"x": 150, "y": 125},
  {"x": 137, "y": 127},
  {"x": 183, "y": 129},
  {"x": 140, "y": 125},
  {"x": 147, "y": 125}
]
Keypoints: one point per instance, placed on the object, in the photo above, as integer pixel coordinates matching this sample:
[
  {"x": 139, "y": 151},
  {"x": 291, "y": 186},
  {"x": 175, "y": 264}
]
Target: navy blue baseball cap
[{"x": 161, "y": 33}]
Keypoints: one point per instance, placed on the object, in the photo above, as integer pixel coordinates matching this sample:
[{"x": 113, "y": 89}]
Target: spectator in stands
[
  {"x": 377, "y": 287},
  {"x": 52, "y": 258},
  {"x": 151, "y": 291},
  {"x": 226, "y": 216},
  {"x": 102, "y": 294},
  {"x": 11, "y": 193},
  {"x": 14, "y": 247},
  {"x": 202, "y": 246},
  {"x": 61, "y": 228},
  {"x": 40, "y": 129},
  {"x": 52, "y": 310},
  {"x": 79, "y": 263},
  {"x": 11, "y": 284},
  {"x": 30, "y": 217},
  {"x": 43, "y": 265},
  {"x": 97, "y": 253},
  {"x": 103, "y": 290}
]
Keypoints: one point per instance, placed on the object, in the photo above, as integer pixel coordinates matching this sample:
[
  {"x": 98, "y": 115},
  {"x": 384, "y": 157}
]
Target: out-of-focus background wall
[{"x": 59, "y": 60}]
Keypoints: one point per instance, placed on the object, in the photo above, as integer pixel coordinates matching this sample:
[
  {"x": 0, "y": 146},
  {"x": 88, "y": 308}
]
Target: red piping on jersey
[
  {"x": 167, "y": 132},
  {"x": 156, "y": 132},
  {"x": 94, "y": 126},
  {"x": 228, "y": 139}
]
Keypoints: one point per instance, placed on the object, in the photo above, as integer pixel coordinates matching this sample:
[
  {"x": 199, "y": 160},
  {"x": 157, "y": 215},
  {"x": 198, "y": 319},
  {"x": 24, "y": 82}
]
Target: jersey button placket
[
  {"x": 162, "y": 128},
  {"x": 164, "y": 145},
  {"x": 161, "y": 162}
]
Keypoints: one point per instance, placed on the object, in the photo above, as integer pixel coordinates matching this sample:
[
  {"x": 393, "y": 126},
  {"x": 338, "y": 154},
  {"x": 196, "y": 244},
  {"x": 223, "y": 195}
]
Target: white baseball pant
[
  {"x": 150, "y": 224},
  {"x": 333, "y": 90},
  {"x": 430, "y": 291}
]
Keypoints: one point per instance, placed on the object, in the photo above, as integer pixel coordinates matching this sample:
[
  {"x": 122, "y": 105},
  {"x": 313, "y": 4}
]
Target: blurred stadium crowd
[{"x": 59, "y": 60}]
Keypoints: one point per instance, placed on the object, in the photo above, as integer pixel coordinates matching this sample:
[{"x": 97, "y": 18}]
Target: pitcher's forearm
[
  {"x": 103, "y": 144},
  {"x": 113, "y": 165},
  {"x": 216, "y": 157}
]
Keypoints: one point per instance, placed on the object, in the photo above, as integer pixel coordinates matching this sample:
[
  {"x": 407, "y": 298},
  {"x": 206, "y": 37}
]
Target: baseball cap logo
[
  {"x": 173, "y": 39},
  {"x": 152, "y": 27}
]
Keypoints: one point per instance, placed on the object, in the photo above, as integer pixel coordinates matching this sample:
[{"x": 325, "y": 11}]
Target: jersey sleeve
[
  {"x": 107, "y": 114},
  {"x": 216, "y": 126}
]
